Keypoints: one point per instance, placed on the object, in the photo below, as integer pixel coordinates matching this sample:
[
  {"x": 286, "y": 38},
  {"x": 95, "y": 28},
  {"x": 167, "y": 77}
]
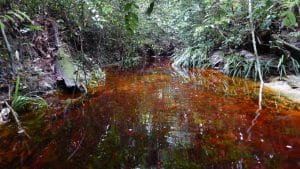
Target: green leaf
[
  {"x": 2, "y": 26},
  {"x": 34, "y": 27},
  {"x": 16, "y": 94},
  {"x": 107, "y": 9},
  {"x": 128, "y": 7},
  {"x": 135, "y": 5},
  {"x": 150, "y": 8},
  {"x": 289, "y": 19},
  {"x": 131, "y": 21},
  {"x": 9, "y": 18},
  {"x": 23, "y": 14},
  {"x": 17, "y": 15}
]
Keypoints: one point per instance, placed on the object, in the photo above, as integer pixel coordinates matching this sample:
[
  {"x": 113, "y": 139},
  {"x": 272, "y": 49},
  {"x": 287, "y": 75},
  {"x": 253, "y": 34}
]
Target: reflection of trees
[
  {"x": 143, "y": 124},
  {"x": 123, "y": 145}
]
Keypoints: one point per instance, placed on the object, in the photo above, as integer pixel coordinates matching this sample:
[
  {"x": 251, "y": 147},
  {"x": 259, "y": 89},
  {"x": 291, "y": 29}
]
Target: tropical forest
[{"x": 150, "y": 84}]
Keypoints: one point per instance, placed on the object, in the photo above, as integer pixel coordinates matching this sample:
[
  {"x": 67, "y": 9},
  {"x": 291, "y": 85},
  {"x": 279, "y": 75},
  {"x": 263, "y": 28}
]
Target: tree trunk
[{"x": 258, "y": 67}]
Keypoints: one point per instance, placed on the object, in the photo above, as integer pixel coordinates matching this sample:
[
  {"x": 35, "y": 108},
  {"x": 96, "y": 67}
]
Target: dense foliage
[
  {"x": 208, "y": 26},
  {"x": 110, "y": 31}
]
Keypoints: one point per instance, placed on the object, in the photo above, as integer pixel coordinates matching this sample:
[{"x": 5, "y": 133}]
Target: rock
[
  {"x": 70, "y": 75},
  {"x": 217, "y": 59},
  {"x": 4, "y": 115},
  {"x": 247, "y": 55},
  {"x": 289, "y": 87},
  {"x": 65, "y": 69},
  {"x": 293, "y": 81},
  {"x": 46, "y": 85}
]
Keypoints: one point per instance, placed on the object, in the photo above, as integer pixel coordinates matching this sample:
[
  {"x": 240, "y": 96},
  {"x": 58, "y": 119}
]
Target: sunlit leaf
[
  {"x": 17, "y": 15},
  {"x": 2, "y": 26},
  {"x": 289, "y": 19},
  {"x": 9, "y": 18},
  {"x": 34, "y": 28},
  {"x": 23, "y": 14}
]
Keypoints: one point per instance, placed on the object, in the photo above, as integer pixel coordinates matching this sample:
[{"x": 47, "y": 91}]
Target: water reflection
[{"x": 159, "y": 119}]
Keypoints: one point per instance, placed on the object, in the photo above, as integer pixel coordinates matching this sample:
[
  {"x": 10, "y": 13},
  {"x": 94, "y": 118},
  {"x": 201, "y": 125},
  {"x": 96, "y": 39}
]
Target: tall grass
[
  {"x": 192, "y": 57},
  {"x": 236, "y": 65},
  {"x": 287, "y": 64},
  {"x": 22, "y": 103}
]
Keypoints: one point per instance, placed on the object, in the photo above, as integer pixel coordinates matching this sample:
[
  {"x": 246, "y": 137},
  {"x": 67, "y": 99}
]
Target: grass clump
[
  {"x": 193, "y": 57},
  {"x": 238, "y": 66},
  {"x": 23, "y": 103}
]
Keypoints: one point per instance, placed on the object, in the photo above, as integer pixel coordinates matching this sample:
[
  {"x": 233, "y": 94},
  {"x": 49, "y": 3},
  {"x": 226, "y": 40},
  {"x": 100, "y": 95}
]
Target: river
[{"x": 159, "y": 118}]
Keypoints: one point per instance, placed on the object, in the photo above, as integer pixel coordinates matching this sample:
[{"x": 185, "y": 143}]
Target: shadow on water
[{"x": 160, "y": 118}]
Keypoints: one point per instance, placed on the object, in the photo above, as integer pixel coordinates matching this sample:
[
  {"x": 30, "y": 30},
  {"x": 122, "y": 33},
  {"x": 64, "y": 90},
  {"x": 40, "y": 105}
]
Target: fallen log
[
  {"x": 288, "y": 44},
  {"x": 293, "y": 49}
]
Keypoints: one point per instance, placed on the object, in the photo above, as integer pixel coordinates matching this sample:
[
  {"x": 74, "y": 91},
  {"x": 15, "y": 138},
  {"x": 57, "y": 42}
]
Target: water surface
[{"x": 159, "y": 118}]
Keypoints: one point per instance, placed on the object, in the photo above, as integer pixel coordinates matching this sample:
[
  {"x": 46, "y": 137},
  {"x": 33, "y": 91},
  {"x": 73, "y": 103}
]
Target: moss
[{"x": 66, "y": 68}]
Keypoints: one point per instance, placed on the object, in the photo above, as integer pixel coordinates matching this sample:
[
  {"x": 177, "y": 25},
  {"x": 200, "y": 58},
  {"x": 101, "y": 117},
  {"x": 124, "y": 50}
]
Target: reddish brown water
[{"x": 159, "y": 118}]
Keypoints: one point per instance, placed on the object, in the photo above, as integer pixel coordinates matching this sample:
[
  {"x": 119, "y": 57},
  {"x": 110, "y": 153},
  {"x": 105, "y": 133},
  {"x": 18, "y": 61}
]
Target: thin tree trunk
[{"x": 258, "y": 67}]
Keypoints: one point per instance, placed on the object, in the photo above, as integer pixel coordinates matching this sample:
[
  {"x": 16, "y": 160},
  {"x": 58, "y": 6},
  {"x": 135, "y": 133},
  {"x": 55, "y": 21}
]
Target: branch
[
  {"x": 256, "y": 54},
  {"x": 278, "y": 40},
  {"x": 15, "y": 114},
  {"x": 258, "y": 69}
]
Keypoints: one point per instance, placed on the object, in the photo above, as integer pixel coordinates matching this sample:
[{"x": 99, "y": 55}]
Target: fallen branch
[
  {"x": 287, "y": 44},
  {"x": 15, "y": 114},
  {"x": 116, "y": 64}
]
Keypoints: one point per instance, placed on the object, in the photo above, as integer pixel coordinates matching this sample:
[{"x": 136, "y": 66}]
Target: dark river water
[{"x": 159, "y": 118}]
